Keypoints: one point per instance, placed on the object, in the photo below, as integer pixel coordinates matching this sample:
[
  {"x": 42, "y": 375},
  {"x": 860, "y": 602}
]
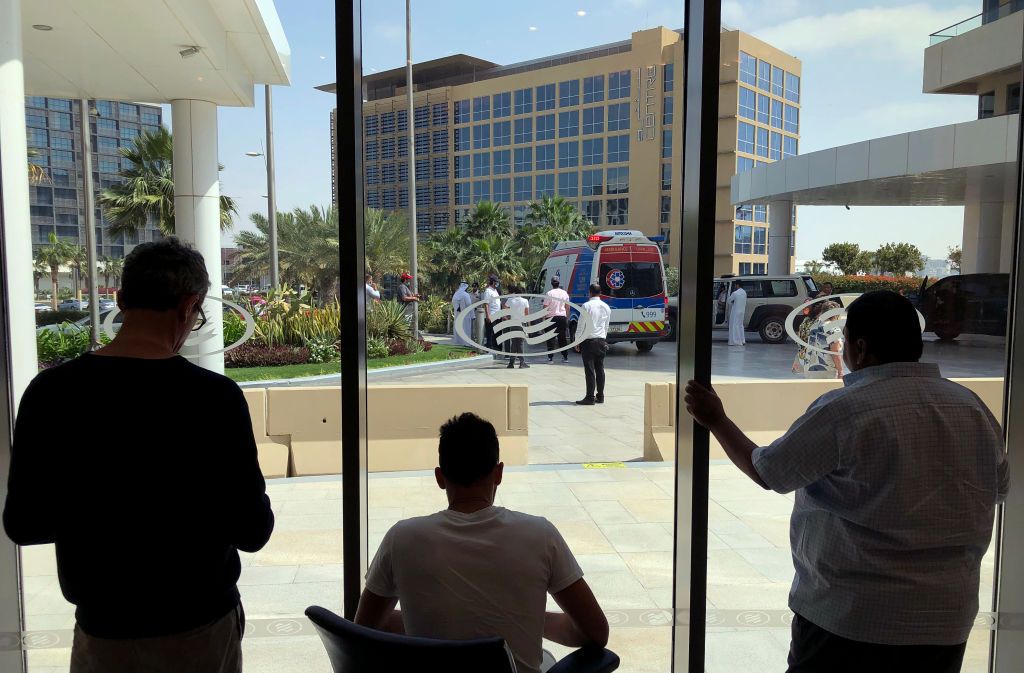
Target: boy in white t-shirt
[
  {"x": 476, "y": 570},
  {"x": 518, "y": 308}
]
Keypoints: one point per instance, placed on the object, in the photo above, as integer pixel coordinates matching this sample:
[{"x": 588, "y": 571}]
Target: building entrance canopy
[{"x": 944, "y": 166}]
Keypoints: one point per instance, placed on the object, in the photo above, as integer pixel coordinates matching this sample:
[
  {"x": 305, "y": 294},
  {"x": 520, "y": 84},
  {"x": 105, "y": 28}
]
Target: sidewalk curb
[{"x": 370, "y": 373}]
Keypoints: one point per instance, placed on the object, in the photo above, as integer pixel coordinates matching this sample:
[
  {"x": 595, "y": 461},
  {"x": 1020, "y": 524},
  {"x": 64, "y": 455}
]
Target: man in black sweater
[{"x": 148, "y": 507}]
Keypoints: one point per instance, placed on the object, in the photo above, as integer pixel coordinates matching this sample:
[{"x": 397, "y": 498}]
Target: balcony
[{"x": 969, "y": 57}]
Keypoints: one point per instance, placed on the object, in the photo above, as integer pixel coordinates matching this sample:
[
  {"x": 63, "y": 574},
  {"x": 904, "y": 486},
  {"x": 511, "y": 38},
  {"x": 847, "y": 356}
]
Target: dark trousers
[
  {"x": 489, "y": 339},
  {"x": 513, "y": 347},
  {"x": 561, "y": 331},
  {"x": 815, "y": 650},
  {"x": 593, "y": 351}
]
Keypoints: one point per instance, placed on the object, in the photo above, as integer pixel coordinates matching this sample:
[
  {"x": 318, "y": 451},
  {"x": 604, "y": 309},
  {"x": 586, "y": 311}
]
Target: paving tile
[
  {"x": 608, "y": 512},
  {"x": 638, "y": 537},
  {"x": 652, "y": 568},
  {"x": 267, "y": 575}
]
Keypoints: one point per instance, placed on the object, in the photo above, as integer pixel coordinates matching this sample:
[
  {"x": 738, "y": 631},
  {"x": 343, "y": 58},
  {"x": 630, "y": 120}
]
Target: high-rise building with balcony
[
  {"x": 54, "y": 128},
  {"x": 600, "y": 127}
]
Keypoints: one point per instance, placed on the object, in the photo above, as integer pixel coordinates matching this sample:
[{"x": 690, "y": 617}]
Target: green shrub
[
  {"x": 376, "y": 347},
  {"x": 322, "y": 349},
  {"x": 434, "y": 312},
  {"x": 58, "y": 317},
  {"x": 234, "y": 328},
  {"x": 254, "y": 355},
  {"x": 672, "y": 280},
  {"x": 388, "y": 320},
  {"x": 56, "y": 346},
  {"x": 860, "y": 284}
]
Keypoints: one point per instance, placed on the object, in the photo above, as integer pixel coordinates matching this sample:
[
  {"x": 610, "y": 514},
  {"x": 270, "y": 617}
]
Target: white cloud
[
  {"x": 893, "y": 34},
  {"x": 391, "y": 32},
  {"x": 858, "y": 124},
  {"x": 733, "y": 12}
]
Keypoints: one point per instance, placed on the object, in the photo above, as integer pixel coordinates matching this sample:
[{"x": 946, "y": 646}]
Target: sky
[{"x": 862, "y": 72}]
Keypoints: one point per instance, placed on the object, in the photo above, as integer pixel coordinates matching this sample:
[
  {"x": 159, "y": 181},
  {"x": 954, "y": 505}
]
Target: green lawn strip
[{"x": 435, "y": 354}]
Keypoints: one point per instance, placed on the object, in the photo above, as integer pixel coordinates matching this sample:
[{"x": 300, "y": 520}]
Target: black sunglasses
[{"x": 200, "y": 320}]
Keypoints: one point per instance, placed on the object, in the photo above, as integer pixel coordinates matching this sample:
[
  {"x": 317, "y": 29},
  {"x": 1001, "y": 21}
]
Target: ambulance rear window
[{"x": 631, "y": 279}]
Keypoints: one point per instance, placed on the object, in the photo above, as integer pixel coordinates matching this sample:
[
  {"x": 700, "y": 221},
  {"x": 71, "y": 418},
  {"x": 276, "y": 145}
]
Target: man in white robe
[
  {"x": 736, "y": 309},
  {"x": 460, "y": 302}
]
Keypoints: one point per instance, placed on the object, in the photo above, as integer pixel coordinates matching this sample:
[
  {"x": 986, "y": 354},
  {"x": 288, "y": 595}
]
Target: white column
[
  {"x": 780, "y": 237},
  {"x": 16, "y": 219},
  {"x": 197, "y": 210},
  {"x": 983, "y": 237}
]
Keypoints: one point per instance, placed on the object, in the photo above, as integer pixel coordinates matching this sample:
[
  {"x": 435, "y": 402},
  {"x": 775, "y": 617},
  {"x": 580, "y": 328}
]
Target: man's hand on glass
[{"x": 704, "y": 405}]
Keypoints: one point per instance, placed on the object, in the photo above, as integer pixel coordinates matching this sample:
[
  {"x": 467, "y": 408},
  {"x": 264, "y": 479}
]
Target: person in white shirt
[
  {"x": 557, "y": 304},
  {"x": 462, "y": 300},
  {"x": 476, "y": 570},
  {"x": 372, "y": 293},
  {"x": 491, "y": 307},
  {"x": 518, "y": 308},
  {"x": 595, "y": 347},
  {"x": 736, "y": 306}
]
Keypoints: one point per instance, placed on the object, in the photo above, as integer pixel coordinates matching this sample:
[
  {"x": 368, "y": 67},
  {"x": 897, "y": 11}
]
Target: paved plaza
[{"x": 617, "y": 519}]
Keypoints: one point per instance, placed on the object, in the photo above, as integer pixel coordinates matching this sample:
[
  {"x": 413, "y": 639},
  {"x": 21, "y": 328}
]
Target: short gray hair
[{"x": 157, "y": 276}]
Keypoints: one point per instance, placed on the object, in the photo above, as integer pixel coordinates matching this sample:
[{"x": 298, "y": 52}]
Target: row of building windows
[
  {"x": 543, "y": 127},
  {"x": 617, "y": 211},
  {"x": 103, "y": 108},
  {"x": 398, "y": 120},
  {"x": 764, "y": 110},
  {"x": 753, "y": 269},
  {"x": 426, "y": 169},
  {"x": 750, "y": 240},
  {"x": 543, "y": 157},
  {"x": 528, "y": 187},
  {"x": 767, "y": 77},
  {"x": 386, "y": 148}
]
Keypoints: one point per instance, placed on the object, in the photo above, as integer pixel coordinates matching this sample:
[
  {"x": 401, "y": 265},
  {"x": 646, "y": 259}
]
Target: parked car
[
  {"x": 974, "y": 303},
  {"x": 770, "y": 300},
  {"x": 82, "y": 324},
  {"x": 73, "y": 305},
  {"x": 43, "y": 308}
]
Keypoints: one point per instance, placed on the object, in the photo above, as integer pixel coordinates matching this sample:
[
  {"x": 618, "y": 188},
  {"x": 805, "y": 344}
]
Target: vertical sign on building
[{"x": 646, "y": 103}]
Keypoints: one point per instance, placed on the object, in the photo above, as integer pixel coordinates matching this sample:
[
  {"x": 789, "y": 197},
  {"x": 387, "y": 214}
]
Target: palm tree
[
  {"x": 39, "y": 269},
  {"x": 488, "y": 219},
  {"x": 385, "y": 242},
  {"x": 110, "y": 267},
  {"x": 37, "y": 174},
  {"x": 147, "y": 190},
  {"x": 79, "y": 260},
  {"x": 116, "y": 267},
  {"x": 55, "y": 255},
  {"x": 550, "y": 221},
  {"x": 499, "y": 255},
  {"x": 446, "y": 259}
]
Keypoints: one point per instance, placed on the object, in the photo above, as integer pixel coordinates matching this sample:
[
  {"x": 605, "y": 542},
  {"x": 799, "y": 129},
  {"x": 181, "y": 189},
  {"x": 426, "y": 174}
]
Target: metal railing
[{"x": 976, "y": 22}]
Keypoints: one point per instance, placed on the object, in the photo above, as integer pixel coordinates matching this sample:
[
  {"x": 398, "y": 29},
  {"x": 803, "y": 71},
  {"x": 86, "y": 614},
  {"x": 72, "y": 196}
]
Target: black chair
[{"x": 357, "y": 649}]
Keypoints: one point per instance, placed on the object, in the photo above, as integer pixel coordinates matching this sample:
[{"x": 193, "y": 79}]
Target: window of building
[
  {"x": 61, "y": 177},
  {"x": 743, "y": 244},
  {"x": 61, "y": 104},
  {"x": 748, "y": 69},
  {"x": 440, "y": 166},
  {"x": 592, "y": 211},
  {"x": 61, "y": 142},
  {"x": 41, "y": 159},
  {"x": 764, "y": 75},
  {"x": 618, "y": 180},
  {"x": 546, "y": 157},
  {"x": 791, "y": 120},
  {"x": 37, "y": 120},
  {"x": 422, "y": 199},
  {"x": 666, "y": 176},
  {"x": 421, "y": 117},
  {"x": 481, "y": 108},
  {"x": 422, "y": 143},
  {"x": 618, "y": 85},
  {"x": 36, "y": 101},
  {"x": 44, "y": 195},
  {"x": 439, "y": 141},
  {"x": 387, "y": 173},
  {"x": 762, "y": 142},
  {"x": 666, "y": 144},
  {"x": 462, "y": 167},
  {"x": 481, "y": 136},
  {"x": 481, "y": 191},
  {"x": 441, "y": 219},
  {"x": 745, "y": 213},
  {"x": 593, "y": 151},
  {"x": 422, "y": 169},
  {"x": 387, "y": 122},
  {"x": 666, "y": 209},
  {"x": 666, "y": 114},
  {"x": 545, "y": 185},
  {"x": 37, "y": 137},
  {"x": 370, "y": 150},
  {"x": 760, "y": 213},
  {"x": 776, "y": 146},
  {"x": 593, "y": 89},
  {"x": 63, "y": 194},
  {"x": 523, "y": 130},
  {"x": 463, "y": 139},
  {"x": 789, "y": 147},
  {"x": 370, "y": 124},
  {"x": 439, "y": 114},
  {"x": 778, "y": 83},
  {"x": 523, "y": 159},
  {"x": 523, "y": 101},
  {"x": 462, "y": 110},
  {"x": 668, "y": 72},
  {"x": 524, "y": 188},
  {"x": 760, "y": 241},
  {"x": 763, "y": 106},
  {"x": 618, "y": 212},
  {"x": 568, "y": 123},
  {"x": 1013, "y": 99},
  {"x": 503, "y": 104},
  {"x": 569, "y": 184},
  {"x": 593, "y": 182},
  {"x": 546, "y": 127},
  {"x": 503, "y": 190},
  {"x": 593, "y": 120},
  {"x": 462, "y": 193},
  {"x": 618, "y": 117},
  {"x": 986, "y": 105},
  {"x": 150, "y": 117},
  {"x": 776, "y": 118},
  {"x": 747, "y": 103},
  {"x": 481, "y": 164},
  {"x": 618, "y": 148},
  {"x": 60, "y": 121},
  {"x": 792, "y": 88},
  {"x": 403, "y": 172},
  {"x": 105, "y": 165},
  {"x": 403, "y": 120},
  {"x": 502, "y": 133},
  {"x": 744, "y": 164},
  {"x": 745, "y": 138},
  {"x": 569, "y": 93},
  {"x": 402, "y": 144},
  {"x": 546, "y": 97},
  {"x": 745, "y": 269},
  {"x": 502, "y": 162},
  {"x": 568, "y": 154}
]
